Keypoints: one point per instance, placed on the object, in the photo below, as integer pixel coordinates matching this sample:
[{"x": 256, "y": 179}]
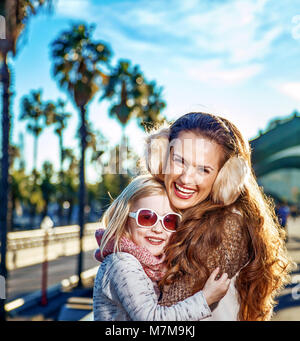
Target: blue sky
[{"x": 239, "y": 59}]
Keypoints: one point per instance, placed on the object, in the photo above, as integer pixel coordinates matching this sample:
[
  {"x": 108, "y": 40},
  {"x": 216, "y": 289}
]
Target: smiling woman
[
  {"x": 194, "y": 165},
  {"x": 205, "y": 165}
]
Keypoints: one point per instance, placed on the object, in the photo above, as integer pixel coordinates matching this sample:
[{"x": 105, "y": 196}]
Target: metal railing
[
  {"x": 35, "y": 238},
  {"x": 25, "y": 248}
]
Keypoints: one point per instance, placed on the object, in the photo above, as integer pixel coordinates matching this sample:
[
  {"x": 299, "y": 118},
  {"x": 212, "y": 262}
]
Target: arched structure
[{"x": 275, "y": 149}]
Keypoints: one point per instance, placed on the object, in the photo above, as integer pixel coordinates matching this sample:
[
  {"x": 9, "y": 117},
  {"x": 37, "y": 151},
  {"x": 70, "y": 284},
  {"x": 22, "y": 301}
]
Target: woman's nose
[{"x": 188, "y": 176}]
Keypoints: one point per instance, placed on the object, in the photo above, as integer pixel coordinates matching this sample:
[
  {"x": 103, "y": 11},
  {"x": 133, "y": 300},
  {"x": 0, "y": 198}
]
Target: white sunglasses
[{"x": 147, "y": 218}]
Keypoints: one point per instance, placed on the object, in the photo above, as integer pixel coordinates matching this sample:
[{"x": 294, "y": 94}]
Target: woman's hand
[{"x": 214, "y": 289}]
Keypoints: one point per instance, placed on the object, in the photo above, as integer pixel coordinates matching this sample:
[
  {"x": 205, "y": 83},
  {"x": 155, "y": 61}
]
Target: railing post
[{"x": 46, "y": 224}]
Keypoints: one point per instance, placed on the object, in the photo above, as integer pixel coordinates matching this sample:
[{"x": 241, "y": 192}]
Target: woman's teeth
[{"x": 187, "y": 191}]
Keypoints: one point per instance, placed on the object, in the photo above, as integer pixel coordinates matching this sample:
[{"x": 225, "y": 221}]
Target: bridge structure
[{"x": 278, "y": 147}]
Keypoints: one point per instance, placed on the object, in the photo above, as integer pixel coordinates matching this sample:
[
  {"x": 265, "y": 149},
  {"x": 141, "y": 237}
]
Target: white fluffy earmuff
[
  {"x": 230, "y": 181},
  {"x": 156, "y": 151}
]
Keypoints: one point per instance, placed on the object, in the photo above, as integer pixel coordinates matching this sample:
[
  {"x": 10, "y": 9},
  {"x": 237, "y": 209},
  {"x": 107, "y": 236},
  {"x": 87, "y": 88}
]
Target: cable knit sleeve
[
  {"x": 135, "y": 292},
  {"x": 230, "y": 255}
]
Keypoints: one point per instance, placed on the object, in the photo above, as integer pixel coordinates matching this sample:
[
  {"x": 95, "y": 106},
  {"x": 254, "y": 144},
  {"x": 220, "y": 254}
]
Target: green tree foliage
[
  {"x": 48, "y": 188},
  {"x": 33, "y": 111},
  {"x": 77, "y": 62},
  {"x": 57, "y": 116},
  {"x": 132, "y": 96}
]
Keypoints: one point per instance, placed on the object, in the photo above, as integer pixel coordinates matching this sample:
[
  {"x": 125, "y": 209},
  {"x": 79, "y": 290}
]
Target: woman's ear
[
  {"x": 230, "y": 181},
  {"x": 156, "y": 152}
]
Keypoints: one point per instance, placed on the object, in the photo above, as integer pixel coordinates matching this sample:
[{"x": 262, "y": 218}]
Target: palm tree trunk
[
  {"x": 61, "y": 180},
  {"x": 35, "y": 152},
  {"x": 45, "y": 210},
  {"x": 82, "y": 191},
  {"x": 122, "y": 155},
  {"x": 33, "y": 208},
  {"x": 5, "y": 78},
  {"x": 61, "y": 152},
  {"x": 70, "y": 212}
]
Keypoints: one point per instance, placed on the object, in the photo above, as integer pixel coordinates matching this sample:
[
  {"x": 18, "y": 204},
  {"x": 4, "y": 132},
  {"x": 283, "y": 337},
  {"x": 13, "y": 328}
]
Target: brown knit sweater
[{"x": 231, "y": 255}]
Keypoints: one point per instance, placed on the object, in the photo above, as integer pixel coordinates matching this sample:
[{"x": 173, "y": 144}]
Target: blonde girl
[{"x": 137, "y": 228}]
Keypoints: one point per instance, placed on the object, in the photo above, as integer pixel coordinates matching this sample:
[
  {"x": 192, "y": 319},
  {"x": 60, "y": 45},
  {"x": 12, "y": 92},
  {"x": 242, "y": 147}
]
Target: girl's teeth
[{"x": 154, "y": 240}]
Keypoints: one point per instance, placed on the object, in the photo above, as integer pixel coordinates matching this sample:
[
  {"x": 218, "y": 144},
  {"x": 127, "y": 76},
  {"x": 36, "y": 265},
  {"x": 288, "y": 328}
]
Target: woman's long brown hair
[{"x": 268, "y": 267}]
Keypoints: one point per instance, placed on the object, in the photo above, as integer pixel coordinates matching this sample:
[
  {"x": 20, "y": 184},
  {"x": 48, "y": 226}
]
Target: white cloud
[
  {"x": 77, "y": 9},
  {"x": 214, "y": 71},
  {"x": 291, "y": 89},
  {"x": 232, "y": 39},
  {"x": 233, "y": 29},
  {"x": 229, "y": 30}
]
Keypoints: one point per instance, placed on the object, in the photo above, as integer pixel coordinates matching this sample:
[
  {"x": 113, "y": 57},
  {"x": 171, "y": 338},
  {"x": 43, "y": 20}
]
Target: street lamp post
[{"x": 46, "y": 225}]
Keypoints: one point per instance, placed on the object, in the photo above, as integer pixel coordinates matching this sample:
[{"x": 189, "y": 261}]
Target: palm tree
[
  {"x": 76, "y": 61},
  {"x": 47, "y": 186},
  {"x": 123, "y": 89},
  {"x": 132, "y": 96},
  {"x": 34, "y": 199},
  {"x": 33, "y": 110},
  {"x": 18, "y": 191},
  {"x": 14, "y": 154},
  {"x": 56, "y": 115},
  {"x": 16, "y": 13},
  {"x": 151, "y": 105},
  {"x": 70, "y": 181},
  {"x": 18, "y": 181}
]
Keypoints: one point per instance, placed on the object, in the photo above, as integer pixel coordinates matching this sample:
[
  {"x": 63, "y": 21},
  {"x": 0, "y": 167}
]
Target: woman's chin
[{"x": 182, "y": 205}]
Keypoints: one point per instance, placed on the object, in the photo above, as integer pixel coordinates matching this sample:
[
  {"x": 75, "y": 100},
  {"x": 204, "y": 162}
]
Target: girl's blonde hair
[{"x": 114, "y": 220}]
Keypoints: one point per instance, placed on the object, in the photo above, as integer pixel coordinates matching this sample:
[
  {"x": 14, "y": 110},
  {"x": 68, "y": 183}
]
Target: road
[{"x": 28, "y": 279}]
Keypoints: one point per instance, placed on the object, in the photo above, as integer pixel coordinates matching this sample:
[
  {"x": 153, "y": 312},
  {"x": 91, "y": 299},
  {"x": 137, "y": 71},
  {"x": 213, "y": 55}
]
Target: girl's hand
[{"x": 214, "y": 289}]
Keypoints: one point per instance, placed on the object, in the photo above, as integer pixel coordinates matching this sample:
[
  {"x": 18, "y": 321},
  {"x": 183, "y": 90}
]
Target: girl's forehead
[{"x": 157, "y": 202}]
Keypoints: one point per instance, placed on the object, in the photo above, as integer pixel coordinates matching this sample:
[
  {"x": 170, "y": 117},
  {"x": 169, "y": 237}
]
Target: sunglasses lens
[
  {"x": 171, "y": 222},
  {"x": 147, "y": 218}
]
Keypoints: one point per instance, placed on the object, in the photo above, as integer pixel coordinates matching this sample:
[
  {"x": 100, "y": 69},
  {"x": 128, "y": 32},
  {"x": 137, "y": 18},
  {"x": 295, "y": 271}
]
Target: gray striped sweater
[{"x": 123, "y": 292}]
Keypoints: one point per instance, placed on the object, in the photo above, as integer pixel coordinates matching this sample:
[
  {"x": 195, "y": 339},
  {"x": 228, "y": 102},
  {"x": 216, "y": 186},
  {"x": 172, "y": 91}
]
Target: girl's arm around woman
[{"x": 124, "y": 286}]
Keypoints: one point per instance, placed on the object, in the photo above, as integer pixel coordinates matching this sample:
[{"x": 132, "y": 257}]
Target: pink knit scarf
[{"x": 153, "y": 266}]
